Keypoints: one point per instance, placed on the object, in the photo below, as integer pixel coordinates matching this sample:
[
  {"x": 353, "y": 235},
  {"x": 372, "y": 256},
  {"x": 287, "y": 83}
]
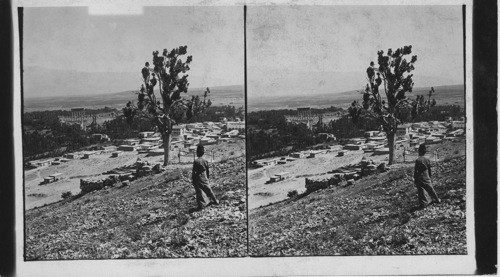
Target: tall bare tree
[
  {"x": 394, "y": 73},
  {"x": 160, "y": 96}
]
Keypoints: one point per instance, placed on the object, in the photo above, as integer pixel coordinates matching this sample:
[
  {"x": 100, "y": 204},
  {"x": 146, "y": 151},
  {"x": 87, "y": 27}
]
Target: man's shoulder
[
  {"x": 200, "y": 161},
  {"x": 422, "y": 159}
]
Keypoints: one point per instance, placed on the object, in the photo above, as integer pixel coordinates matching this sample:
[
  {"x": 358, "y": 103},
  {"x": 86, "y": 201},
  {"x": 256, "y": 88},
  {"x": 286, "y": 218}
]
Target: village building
[
  {"x": 131, "y": 141},
  {"x": 178, "y": 132},
  {"x": 298, "y": 155},
  {"x": 127, "y": 147},
  {"x": 191, "y": 126},
  {"x": 436, "y": 126},
  {"x": 369, "y": 134},
  {"x": 100, "y": 137},
  {"x": 151, "y": 140},
  {"x": 457, "y": 125},
  {"x": 327, "y": 136},
  {"x": 70, "y": 156},
  {"x": 354, "y": 146},
  {"x": 357, "y": 141},
  {"x": 230, "y": 134},
  {"x": 208, "y": 124},
  {"x": 267, "y": 162},
  {"x": 146, "y": 134},
  {"x": 235, "y": 125},
  {"x": 52, "y": 178},
  {"x": 207, "y": 141},
  {"x": 403, "y": 130}
]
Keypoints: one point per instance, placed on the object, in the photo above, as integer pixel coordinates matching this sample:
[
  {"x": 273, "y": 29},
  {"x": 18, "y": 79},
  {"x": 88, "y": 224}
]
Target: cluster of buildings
[
  {"x": 70, "y": 156},
  {"x": 412, "y": 134},
  {"x": 296, "y": 156},
  {"x": 186, "y": 136}
]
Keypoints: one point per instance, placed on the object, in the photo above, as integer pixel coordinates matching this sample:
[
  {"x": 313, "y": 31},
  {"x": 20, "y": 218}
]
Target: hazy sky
[
  {"x": 290, "y": 49},
  {"x": 287, "y": 43},
  {"x": 68, "y": 38}
]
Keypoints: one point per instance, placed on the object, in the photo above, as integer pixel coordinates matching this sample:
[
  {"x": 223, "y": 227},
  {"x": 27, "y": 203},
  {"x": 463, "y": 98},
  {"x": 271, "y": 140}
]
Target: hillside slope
[
  {"x": 151, "y": 218},
  {"x": 376, "y": 216}
]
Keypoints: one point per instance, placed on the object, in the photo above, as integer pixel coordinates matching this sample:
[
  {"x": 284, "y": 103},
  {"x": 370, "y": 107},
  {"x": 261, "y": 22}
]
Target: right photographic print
[{"x": 356, "y": 130}]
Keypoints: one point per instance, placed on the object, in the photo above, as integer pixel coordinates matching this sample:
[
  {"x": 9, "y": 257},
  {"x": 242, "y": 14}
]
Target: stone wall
[
  {"x": 346, "y": 178},
  {"x": 87, "y": 185},
  {"x": 313, "y": 184},
  {"x": 120, "y": 175}
]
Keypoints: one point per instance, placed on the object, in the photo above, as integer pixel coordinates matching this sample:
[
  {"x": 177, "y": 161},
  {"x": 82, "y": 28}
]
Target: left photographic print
[{"x": 133, "y": 133}]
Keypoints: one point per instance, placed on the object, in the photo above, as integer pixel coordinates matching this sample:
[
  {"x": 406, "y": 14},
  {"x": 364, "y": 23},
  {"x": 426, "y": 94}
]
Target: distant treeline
[
  {"x": 441, "y": 113},
  {"x": 270, "y": 134},
  {"x": 217, "y": 113},
  {"x": 44, "y": 135}
]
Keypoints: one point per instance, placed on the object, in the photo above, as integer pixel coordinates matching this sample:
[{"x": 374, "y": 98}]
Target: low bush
[
  {"x": 66, "y": 195},
  {"x": 292, "y": 193}
]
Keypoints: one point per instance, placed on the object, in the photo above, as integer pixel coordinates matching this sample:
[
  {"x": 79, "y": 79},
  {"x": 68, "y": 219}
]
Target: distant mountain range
[
  {"x": 445, "y": 95},
  {"x": 282, "y": 82},
  {"x": 221, "y": 95},
  {"x": 48, "y": 89},
  {"x": 45, "y": 82}
]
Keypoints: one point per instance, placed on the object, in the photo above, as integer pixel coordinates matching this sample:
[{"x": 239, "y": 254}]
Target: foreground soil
[
  {"x": 376, "y": 216},
  {"x": 150, "y": 218}
]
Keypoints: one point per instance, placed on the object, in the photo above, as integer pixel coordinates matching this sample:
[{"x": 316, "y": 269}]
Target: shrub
[
  {"x": 66, "y": 195},
  {"x": 292, "y": 193}
]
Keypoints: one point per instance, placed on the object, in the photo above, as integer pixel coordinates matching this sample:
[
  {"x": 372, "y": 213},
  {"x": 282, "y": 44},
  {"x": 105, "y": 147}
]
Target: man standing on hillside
[
  {"x": 422, "y": 176},
  {"x": 200, "y": 177}
]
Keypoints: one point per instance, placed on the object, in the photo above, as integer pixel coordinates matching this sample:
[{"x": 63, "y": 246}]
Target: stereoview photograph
[
  {"x": 356, "y": 130},
  {"x": 133, "y": 131}
]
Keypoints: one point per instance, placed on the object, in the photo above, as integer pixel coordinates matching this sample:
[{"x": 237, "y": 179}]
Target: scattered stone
[{"x": 125, "y": 183}]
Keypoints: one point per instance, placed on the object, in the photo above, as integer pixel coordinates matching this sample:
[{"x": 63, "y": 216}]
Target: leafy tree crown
[{"x": 167, "y": 77}]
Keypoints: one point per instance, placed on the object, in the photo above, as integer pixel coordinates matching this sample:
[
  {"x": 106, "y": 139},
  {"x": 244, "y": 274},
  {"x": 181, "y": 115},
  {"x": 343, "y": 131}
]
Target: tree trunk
[
  {"x": 166, "y": 148},
  {"x": 391, "y": 137}
]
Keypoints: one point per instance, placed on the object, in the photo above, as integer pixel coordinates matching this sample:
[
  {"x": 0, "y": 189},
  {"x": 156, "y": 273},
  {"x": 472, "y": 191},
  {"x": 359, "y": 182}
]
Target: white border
[{"x": 354, "y": 265}]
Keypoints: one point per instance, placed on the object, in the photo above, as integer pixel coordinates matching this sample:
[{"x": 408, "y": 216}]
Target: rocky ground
[
  {"x": 150, "y": 218},
  {"x": 376, "y": 216}
]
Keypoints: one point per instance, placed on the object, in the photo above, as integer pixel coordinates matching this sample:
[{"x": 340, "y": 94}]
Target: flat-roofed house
[
  {"x": 178, "y": 131},
  {"x": 403, "y": 130},
  {"x": 457, "y": 125},
  {"x": 145, "y": 134},
  {"x": 131, "y": 141},
  {"x": 369, "y": 134},
  {"x": 235, "y": 125},
  {"x": 125, "y": 147},
  {"x": 267, "y": 162}
]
